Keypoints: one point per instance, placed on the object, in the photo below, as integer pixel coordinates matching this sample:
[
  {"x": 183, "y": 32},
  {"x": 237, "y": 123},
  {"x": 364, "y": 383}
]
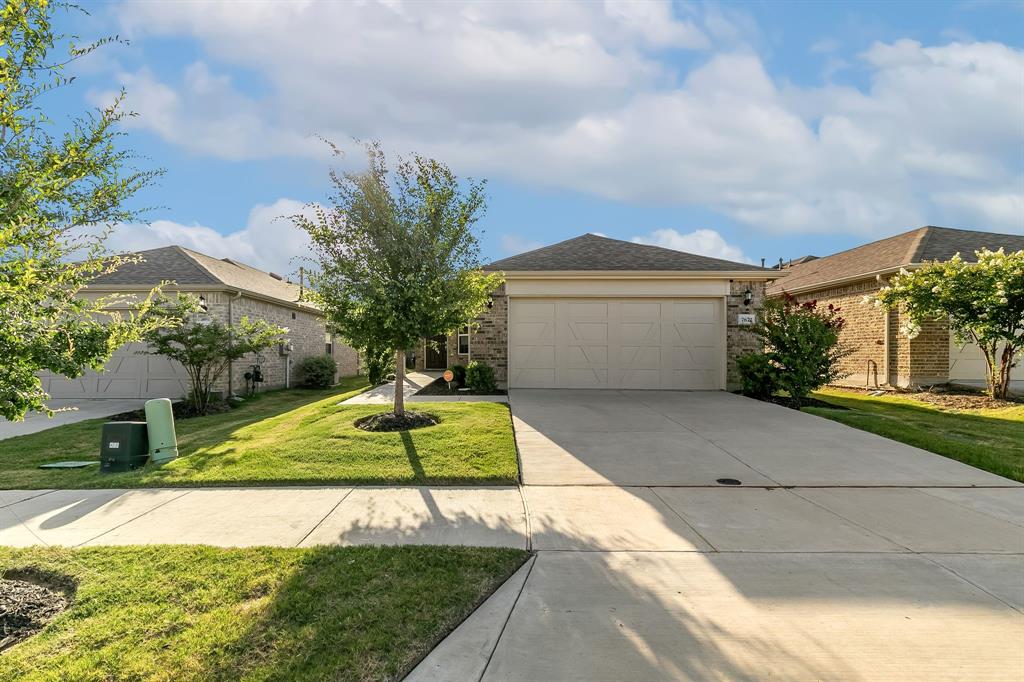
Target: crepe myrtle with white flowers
[{"x": 984, "y": 302}]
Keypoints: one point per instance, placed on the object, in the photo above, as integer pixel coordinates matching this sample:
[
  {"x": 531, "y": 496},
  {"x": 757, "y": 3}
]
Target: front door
[{"x": 437, "y": 353}]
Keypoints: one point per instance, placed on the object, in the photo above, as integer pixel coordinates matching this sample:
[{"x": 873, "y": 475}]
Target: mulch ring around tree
[
  {"x": 440, "y": 387},
  {"x": 28, "y": 601},
  {"x": 389, "y": 421}
]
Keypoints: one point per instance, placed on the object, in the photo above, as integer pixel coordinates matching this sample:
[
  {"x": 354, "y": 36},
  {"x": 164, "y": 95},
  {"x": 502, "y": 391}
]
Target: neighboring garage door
[
  {"x": 967, "y": 366},
  {"x": 676, "y": 343},
  {"x": 128, "y": 375}
]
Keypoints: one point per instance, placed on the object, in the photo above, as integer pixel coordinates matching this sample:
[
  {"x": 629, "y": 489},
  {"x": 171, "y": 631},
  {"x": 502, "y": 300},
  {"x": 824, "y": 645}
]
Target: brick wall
[
  {"x": 488, "y": 337},
  {"x": 738, "y": 339},
  {"x": 921, "y": 361},
  {"x": 306, "y": 332},
  {"x": 864, "y": 331},
  {"x": 488, "y": 340}
]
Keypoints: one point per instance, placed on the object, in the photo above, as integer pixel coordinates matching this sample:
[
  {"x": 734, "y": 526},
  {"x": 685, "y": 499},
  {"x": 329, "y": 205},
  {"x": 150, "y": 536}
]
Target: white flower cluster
[{"x": 910, "y": 329}]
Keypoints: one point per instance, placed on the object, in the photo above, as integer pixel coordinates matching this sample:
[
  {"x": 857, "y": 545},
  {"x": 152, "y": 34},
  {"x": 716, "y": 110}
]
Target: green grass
[
  {"x": 288, "y": 438},
  {"x": 202, "y": 613},
  {"x": 991, "y": 439}
]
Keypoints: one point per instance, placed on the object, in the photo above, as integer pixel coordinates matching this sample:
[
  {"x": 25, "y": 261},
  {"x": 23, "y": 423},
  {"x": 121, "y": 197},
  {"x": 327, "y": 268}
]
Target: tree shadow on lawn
[{"x": 363, "y": 612}]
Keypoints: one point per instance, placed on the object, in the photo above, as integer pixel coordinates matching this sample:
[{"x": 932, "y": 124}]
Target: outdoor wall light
[
  {"x": 490, "y": 302},
  {"x": 748, "y": 297},
  {"x": 202, "y": 304}
]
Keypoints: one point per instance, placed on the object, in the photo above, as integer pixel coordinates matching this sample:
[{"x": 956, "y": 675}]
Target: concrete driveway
[
  {"x": 68, "y": 412},
  {"x": 841, "y": 555},
  {"x": 692, "y": 438}
]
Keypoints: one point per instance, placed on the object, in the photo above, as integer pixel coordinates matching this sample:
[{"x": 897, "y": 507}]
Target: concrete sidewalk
[
  {"x": 583, "y": 518},
  {"x": 415, "y": 381}
]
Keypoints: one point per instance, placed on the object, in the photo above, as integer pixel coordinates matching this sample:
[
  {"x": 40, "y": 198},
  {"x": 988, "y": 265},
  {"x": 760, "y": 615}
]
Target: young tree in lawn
[
  {"x": 205, "y": 347},
  {"x": 983, "y": 301},
  {"x": 60, "y": 189},
  {"x": 397, "y": 256}
]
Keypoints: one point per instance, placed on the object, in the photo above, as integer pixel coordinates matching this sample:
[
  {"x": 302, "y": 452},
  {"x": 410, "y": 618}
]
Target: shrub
[
  {"x": 801, "y": 345},
  {"x": 757, "y": 376},
  {"x": 318, "y": 371},
  {"x": 480, "y": 377},
  {"x": 460, "y": 374},
  {"x": 378, "y": 363}
]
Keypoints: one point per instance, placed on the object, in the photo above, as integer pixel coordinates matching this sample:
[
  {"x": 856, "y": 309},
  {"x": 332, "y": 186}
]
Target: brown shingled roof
[
  {"x": 928, "y": 243},
  {"x": 590, "y": 252},
  {"x": 189, "y": 268}
]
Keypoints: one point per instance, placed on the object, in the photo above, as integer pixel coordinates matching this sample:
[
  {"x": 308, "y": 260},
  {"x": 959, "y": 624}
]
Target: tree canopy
[
  {"x": 61, "y": 188},
  {"x": 983, "y": 301},
  {"x": 396, "y": 253}
]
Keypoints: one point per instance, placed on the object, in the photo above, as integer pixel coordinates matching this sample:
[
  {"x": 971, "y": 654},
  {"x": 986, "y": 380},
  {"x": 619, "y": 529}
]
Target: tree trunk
[
  {"x": 1005, "y": 369},
  {"x": 400, "y": 382},
  {"x": 992, "y": 376}
]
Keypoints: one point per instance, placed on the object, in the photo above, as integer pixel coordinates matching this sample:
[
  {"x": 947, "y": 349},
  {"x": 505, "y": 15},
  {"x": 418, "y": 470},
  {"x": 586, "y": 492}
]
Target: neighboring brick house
[
  {"x": 882, "y": 355},
  {"x": 594, "y": 312},
  {"x": 230, "y": 291}
]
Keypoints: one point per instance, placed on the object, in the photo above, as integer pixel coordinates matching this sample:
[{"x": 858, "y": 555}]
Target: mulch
[
  {"x": 389, "y": 421},
  {"x": 440, "y": 387},
  {"x": 25, "y": 608},
  {"x": 949, "y": 398},
  {"x": 181, "y": 410},
  {"x": 806, "y": 402}
]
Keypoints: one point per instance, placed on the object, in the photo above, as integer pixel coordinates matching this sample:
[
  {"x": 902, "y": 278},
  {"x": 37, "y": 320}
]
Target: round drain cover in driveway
[{"x": 728, "y": 481}]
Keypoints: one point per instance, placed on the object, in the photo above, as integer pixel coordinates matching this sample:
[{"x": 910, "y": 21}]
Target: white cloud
[
  {"x": 511, "y": 244},
  {"x": 702, "y": 242},
  {"x": 577, "y": 96},
  {"x": 268, "y": 240}
]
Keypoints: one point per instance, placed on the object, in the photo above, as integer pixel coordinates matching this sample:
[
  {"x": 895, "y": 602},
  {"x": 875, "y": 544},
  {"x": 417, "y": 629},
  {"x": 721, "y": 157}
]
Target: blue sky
[{"x": 740, "y": 130}]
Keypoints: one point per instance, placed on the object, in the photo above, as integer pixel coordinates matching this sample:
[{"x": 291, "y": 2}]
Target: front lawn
[
  {"x": 288, "y": 438},
  {"x": 990, "y": 439},
  {"x": 201, "y": 613}
]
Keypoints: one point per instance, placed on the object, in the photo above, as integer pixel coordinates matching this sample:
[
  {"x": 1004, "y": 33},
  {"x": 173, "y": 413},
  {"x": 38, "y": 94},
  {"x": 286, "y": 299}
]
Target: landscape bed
[
  {"x": 198, "y": 613},
  {"x": 288, "y": 438}
]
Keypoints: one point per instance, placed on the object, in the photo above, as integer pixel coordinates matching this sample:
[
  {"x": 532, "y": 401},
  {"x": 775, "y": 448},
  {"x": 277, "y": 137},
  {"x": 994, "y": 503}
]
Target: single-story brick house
[
  {"x": 594, "y": 312},
  {"x": 882, "y": 354},
  {"x": 230, "y": 291}
]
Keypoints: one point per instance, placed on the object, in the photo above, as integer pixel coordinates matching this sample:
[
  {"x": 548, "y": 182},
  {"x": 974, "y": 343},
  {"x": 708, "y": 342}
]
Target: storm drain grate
[{"x": 728, "y": 481}]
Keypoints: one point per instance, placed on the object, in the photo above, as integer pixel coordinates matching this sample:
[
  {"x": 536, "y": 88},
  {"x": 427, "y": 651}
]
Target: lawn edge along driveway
[
  {"x": 352, "y": 613},
  {"x": 991, "y": 440},
  {"x": 291, "y": 437}
]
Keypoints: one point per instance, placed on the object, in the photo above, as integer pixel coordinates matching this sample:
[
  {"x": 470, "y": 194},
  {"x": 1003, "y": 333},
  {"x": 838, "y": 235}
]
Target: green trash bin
[
  {"x": 124, "y": 446},
  {"x": 163, "y": 443}
]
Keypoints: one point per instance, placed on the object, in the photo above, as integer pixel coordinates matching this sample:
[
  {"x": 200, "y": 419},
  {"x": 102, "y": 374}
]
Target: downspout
[
  {"x": 231, "y": 369},
  {"x": 885, "y": 346}
]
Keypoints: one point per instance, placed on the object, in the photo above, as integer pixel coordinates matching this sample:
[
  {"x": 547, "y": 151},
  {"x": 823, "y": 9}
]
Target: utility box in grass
[
  {"x": 124, "y": 446},
  {"x": 163, "y": 442}
]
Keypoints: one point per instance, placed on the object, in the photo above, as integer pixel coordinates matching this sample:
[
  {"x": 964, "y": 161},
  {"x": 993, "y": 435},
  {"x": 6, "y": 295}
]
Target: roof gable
[
  {"x": 928, "y": 243},
  {"x": 591, "y": 252}
]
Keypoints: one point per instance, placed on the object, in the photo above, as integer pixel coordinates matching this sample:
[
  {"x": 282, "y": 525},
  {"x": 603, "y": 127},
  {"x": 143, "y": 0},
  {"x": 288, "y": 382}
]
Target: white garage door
[
  {"x": 127, "y": 375},
  {"x": 967, "y": 366},
  {"x": 617, "y": 343}
]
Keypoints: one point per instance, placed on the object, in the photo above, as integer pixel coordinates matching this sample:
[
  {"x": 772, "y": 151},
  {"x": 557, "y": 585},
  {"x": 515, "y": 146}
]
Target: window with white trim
[{"x": 464, "y": 340}]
